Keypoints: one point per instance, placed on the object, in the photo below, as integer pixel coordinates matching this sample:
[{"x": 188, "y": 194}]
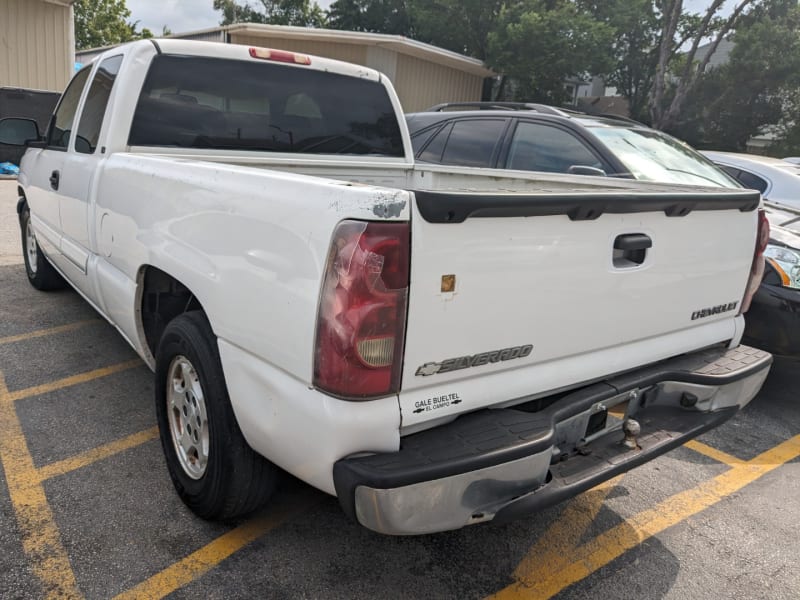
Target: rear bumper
[{"x": 505, "y": 463}]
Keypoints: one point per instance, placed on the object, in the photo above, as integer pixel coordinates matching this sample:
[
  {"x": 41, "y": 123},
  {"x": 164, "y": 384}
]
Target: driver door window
[{"x": 64, "y": 117}]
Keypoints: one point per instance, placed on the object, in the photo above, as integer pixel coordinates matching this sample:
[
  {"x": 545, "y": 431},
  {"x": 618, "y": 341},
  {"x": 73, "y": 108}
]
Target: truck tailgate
[{"x": 517, "y": 295}]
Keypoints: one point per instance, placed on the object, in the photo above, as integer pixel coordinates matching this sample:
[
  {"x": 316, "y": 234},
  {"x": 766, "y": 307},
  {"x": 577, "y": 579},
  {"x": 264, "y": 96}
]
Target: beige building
[
  {"x": 423, "y": 75},
  {"x": 37, "y": 44}
]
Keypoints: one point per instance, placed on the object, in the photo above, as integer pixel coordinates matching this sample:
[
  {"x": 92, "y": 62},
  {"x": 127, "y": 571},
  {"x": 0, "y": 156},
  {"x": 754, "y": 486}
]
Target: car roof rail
[
  {"x": 541, "y": 108},
  {"x": 618, "y": 118}
]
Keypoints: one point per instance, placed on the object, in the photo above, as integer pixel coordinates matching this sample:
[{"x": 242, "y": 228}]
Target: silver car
[{"x": 778, "y": 180}]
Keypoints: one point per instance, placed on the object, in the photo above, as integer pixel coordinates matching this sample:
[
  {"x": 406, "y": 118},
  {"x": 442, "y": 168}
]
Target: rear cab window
[{"x": 213, "y": 103}]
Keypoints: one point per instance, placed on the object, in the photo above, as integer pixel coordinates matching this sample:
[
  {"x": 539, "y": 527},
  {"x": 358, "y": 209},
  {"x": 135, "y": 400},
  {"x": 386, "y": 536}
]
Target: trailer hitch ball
[{"x": 631, "y": 429}]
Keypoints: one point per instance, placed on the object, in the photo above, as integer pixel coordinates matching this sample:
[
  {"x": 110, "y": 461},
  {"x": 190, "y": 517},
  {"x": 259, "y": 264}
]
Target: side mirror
[
  {"x": 585, "y": 170},
  {"x": 18, "y": 132}
]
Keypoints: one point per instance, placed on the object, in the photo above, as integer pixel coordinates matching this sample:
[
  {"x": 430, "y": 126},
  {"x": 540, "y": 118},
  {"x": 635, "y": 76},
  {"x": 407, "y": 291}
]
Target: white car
[{"x": 778, "y": 180}]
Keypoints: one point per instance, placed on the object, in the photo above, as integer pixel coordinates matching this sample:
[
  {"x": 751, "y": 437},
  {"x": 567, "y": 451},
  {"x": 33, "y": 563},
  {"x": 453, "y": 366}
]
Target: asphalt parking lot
[{"x": 87, "y": 509}]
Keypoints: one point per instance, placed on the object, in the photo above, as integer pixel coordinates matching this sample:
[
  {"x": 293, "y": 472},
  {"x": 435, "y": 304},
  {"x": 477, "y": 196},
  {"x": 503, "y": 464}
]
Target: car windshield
[{"x": 653, "y": 156}]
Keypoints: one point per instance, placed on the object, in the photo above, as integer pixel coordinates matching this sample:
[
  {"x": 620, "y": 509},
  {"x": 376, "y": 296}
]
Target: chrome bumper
[{"x": 497, "y": 465}]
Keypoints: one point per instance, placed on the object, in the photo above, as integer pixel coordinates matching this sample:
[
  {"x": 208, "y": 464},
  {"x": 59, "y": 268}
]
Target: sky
[
  {"x": 179, "y": 15},
  {"x": 189, "y": 15}
]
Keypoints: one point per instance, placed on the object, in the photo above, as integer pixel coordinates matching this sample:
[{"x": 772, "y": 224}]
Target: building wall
[
  {"x": 36, "y": 44},
  {"x": 421, "y": 84}
]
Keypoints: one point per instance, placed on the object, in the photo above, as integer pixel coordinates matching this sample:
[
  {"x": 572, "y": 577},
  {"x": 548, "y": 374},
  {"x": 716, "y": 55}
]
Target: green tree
[
  {"x": 788, "y": 129},
  {"x": 676, "y": 77},
  {"x": 541, "y": 43},
  {"x": 756, "y": 87},
  {"x": 633, "y": 48},
  {"x": 103, "y": 23},
  {"x": 462, "y": 26},
  {"x": 302, "y": 13},
  {"x": 377, "y": 16}
]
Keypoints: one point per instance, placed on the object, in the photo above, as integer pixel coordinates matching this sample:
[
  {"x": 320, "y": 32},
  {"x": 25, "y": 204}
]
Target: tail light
[
  {"x": 362, "y": 311},
  {"x": 757, "y": 267}
]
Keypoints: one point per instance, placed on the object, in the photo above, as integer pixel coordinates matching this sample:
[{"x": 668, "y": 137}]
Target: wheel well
[
  {"x": 22, "y": 200},
  {"x": 163, "y": 299}
]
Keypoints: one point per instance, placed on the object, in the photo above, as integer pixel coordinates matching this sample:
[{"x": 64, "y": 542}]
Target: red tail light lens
[
  {"x": 757, "y": 267},
  {"x": 362, "y": 311}
]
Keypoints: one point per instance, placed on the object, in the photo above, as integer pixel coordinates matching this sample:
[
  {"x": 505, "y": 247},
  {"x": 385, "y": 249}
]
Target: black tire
[
  {"x": 41, "y": 274},
  {"x": 235, "y": 479}
]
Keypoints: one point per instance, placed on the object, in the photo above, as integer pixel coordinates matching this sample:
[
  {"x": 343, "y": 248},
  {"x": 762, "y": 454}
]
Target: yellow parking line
[
  {"x": 209, "y": 556},
  {"x": 45, "y": 332},
  {"x": 633, "y": 531},
  {"x": 73, "y": 380},
  {"x": 553, "y": 550},
  {"x": 95, "y": 454},
  {"x": 713, "y": 453},
  {"x": 41, "y": 540}
]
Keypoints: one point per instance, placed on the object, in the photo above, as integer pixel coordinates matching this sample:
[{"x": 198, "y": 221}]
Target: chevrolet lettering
[{"x": 714, "y": 310}]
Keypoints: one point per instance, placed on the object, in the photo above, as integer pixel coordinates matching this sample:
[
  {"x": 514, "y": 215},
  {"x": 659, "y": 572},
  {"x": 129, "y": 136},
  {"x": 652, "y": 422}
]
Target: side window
[
  {"x": 754, "y": 182},
  {"x": 433, "y": 151},
  {"x": 730, "y": 171},
  {"x": 538, "y": 147},
  {"x": 94, "y": 109},
  {"x": 472, "y": 143},
  {"x": 61, "y": 127}
]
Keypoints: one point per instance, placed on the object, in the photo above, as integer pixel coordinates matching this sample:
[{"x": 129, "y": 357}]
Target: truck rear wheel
[
  {"x": 213, "y": 469},
  {"x": 41, "y": 274}
]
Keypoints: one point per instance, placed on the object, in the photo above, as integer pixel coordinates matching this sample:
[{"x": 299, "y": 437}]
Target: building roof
[{"x": 397, "y": 43}]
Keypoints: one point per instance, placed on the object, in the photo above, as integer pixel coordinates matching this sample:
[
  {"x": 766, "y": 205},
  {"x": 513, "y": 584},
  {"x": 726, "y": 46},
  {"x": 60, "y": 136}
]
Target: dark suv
[{"x": 536, "y": 137}]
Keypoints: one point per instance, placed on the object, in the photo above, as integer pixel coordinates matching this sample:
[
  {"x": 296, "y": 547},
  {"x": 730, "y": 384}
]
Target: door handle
[
  {"x": 633, "y": 241},
  {"x": 54, "y": 178}
]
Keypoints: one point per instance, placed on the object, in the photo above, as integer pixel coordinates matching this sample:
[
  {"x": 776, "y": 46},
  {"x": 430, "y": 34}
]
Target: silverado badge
[{"x": 476, "y": 360}]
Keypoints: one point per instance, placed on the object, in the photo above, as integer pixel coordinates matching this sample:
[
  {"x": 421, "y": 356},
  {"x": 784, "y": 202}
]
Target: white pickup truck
[{"x": 435, "y": 346}]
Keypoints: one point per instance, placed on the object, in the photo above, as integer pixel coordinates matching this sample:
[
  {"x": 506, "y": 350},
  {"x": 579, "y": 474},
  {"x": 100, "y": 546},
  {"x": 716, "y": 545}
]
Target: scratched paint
[{"x": 388, "y": 210}]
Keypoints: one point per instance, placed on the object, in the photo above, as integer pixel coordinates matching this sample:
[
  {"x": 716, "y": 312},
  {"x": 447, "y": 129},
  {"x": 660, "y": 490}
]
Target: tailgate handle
[
  {"x": 630, "y": 250},
  {"x": 633, "y": 241}
]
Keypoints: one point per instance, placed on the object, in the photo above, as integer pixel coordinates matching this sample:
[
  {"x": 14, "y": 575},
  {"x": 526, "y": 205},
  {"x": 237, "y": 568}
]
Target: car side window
[
  {"x": 537, "y": 147},
  {"x": 94, "y": 108},
  {"x": 433, "y": 151},
  {"x": 472, "y": 142},
  {"x": 752, "y": 181},
  {"x": 64, "y": 117},
  {"x": 730, "y": 171}
]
